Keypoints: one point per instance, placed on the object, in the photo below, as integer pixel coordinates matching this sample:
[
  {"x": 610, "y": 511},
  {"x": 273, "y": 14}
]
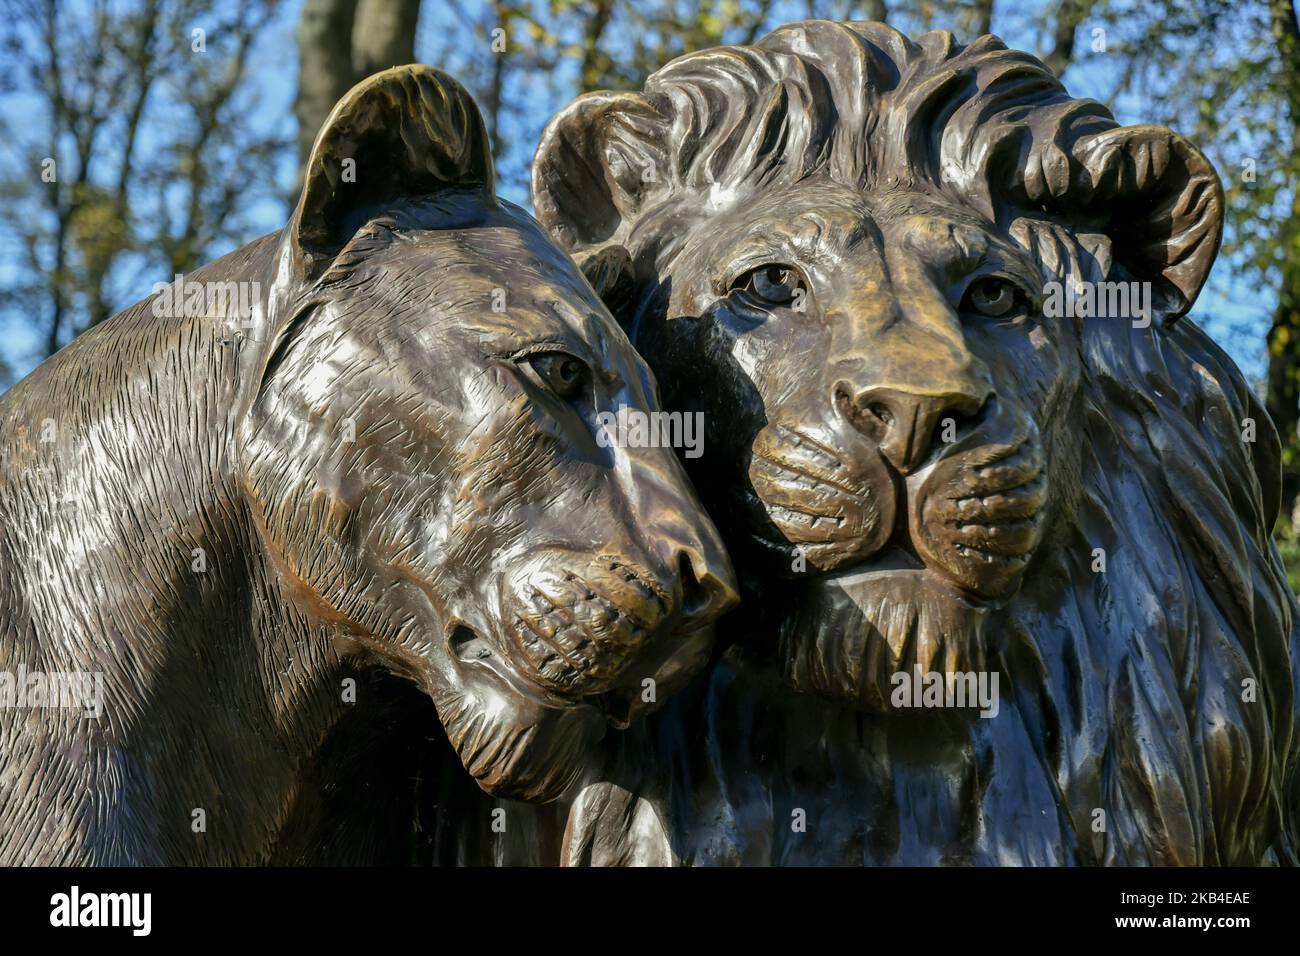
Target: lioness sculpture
[
  {"x": 391, "y": 460},
  {"x": 843, "y": 245}
]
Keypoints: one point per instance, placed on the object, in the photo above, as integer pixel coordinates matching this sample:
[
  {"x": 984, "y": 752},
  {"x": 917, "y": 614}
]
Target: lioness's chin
[
  {"x": 516, "y": 744},
  {"x": 848, "y": 634},
  {"x": 523, "y": 740}
]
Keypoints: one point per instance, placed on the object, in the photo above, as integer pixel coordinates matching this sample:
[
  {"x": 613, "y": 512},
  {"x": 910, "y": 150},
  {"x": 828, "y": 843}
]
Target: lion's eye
[
  {"x": 562, "y": 373},
  {"x": 992, "y": 296},
  {"x": 772, "y": 284}
]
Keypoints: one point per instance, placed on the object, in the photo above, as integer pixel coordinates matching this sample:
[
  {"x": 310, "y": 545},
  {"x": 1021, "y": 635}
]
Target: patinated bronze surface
[
  {"x": 241, "y": 522},
  {"x": 842, "y": 247},
  {"x": 839, "y": 244}
]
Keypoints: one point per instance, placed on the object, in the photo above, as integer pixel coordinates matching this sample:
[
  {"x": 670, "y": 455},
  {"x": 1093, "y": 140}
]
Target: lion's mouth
[
  {"x": 890, "y": 559},
  {"x": 618, "y": 706},
  {"x": 974, "y": 515}
]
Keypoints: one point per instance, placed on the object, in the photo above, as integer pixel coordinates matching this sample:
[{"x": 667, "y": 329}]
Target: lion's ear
[
  {"x": 1157, "y": 198},
  {"x": 404, "y": 133},
  {"x": 609, "y": 270},
  {"x": 598, "y": 159}
]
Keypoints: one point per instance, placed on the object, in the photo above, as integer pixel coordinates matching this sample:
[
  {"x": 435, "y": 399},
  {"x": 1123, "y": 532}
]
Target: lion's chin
[{"x": 848, "y": 634}]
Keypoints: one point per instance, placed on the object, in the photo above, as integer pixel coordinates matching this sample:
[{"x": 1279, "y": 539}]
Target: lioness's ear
[
  {"x": 403, "y": 133},
  {"x": 1153, "y": 193},
  {"x": 598, "y": 159}
]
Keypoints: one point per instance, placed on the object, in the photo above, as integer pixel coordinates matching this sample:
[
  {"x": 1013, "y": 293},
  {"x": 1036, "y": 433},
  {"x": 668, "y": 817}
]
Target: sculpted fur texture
[
  {"x": 388, "y": 465},
  {"x": 838, "y": 244}
]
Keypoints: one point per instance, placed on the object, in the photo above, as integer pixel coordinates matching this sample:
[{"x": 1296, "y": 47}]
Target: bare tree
[
  {"x": 134, "y": 158},
  {"x": 1069, "y": 15}
]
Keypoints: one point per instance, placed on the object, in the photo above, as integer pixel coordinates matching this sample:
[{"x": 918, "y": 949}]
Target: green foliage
[{"x": 1288, "y": 545}]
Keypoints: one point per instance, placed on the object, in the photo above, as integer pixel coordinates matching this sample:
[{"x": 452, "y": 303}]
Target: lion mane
[{"x": 1148, "y": 710}]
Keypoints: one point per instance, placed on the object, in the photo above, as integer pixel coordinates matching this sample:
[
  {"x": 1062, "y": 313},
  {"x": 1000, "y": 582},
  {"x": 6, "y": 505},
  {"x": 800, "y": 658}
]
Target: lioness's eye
[
  {"x": 562, "y": 373},
  {"x": 773, "y": 284},
  {"x": 991, "y": 295}
]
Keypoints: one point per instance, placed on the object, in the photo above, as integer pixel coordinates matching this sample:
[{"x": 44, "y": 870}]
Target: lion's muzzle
[
  {"x": 834, "y": 506},
  {"x": 973, "y": 513},
  {"x": 980, "y": 516}
]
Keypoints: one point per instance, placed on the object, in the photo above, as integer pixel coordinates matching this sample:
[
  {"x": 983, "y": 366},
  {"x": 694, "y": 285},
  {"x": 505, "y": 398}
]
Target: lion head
[
  {"x": 841, "y": 245},
  {"x": 422, "y": 457}
]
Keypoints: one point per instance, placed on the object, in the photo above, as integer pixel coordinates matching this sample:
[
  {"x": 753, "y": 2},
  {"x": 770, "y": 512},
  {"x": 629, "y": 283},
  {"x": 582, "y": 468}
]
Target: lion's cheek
[
  {"x": 982, "y": 554},
  {"x": 829, "y": 507}
]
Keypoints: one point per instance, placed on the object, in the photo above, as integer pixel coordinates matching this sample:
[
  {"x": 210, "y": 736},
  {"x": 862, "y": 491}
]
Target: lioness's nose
[
  {"x": 692, "y": 551},
  {"x": 684, "y": 547},
  {"x": 903, "y": 424},
  {"x": 708, "y": 586}
]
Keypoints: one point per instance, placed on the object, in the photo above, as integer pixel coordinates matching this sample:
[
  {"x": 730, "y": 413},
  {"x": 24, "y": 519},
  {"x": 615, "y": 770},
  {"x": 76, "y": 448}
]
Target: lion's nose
[{"x": 903, "y": 424}]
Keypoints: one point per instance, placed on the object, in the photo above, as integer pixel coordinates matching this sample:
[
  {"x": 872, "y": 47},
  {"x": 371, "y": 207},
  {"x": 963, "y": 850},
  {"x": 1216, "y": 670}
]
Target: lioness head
[
  {"x": 838, "y": 243},
  {"x": 422, "y": 456}
]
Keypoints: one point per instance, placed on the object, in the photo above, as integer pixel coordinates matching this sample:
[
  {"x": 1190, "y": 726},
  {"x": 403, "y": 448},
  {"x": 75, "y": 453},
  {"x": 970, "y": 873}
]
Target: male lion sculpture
[
  {"x": 839, "y": 244},
  {"x": 391, "y": 461}
]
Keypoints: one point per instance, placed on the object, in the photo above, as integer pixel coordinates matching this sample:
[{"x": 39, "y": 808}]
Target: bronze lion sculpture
[
  {"x": 389, "y": 463},
  {"x": 839, "y": 243}
]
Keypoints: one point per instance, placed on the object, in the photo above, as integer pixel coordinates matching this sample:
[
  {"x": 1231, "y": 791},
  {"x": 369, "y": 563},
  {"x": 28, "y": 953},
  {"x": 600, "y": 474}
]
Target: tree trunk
[
  {"x": 1071, "y": 14},
  {"x": 383, "y": 35},
  {"x": 324, "y": 66},
  {"x": 1283, "y": 398},
  {"x": 597, "y": 21},
  {"x": 875, "y": 10},
  {"x": 340, "y": 43}
]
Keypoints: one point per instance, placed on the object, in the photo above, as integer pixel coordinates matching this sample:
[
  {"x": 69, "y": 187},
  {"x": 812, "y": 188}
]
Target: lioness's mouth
[
  {"x": 618, "y": 706},
  {"x": 467, "y": 645},
  {"x": 471, "y": 648}
]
